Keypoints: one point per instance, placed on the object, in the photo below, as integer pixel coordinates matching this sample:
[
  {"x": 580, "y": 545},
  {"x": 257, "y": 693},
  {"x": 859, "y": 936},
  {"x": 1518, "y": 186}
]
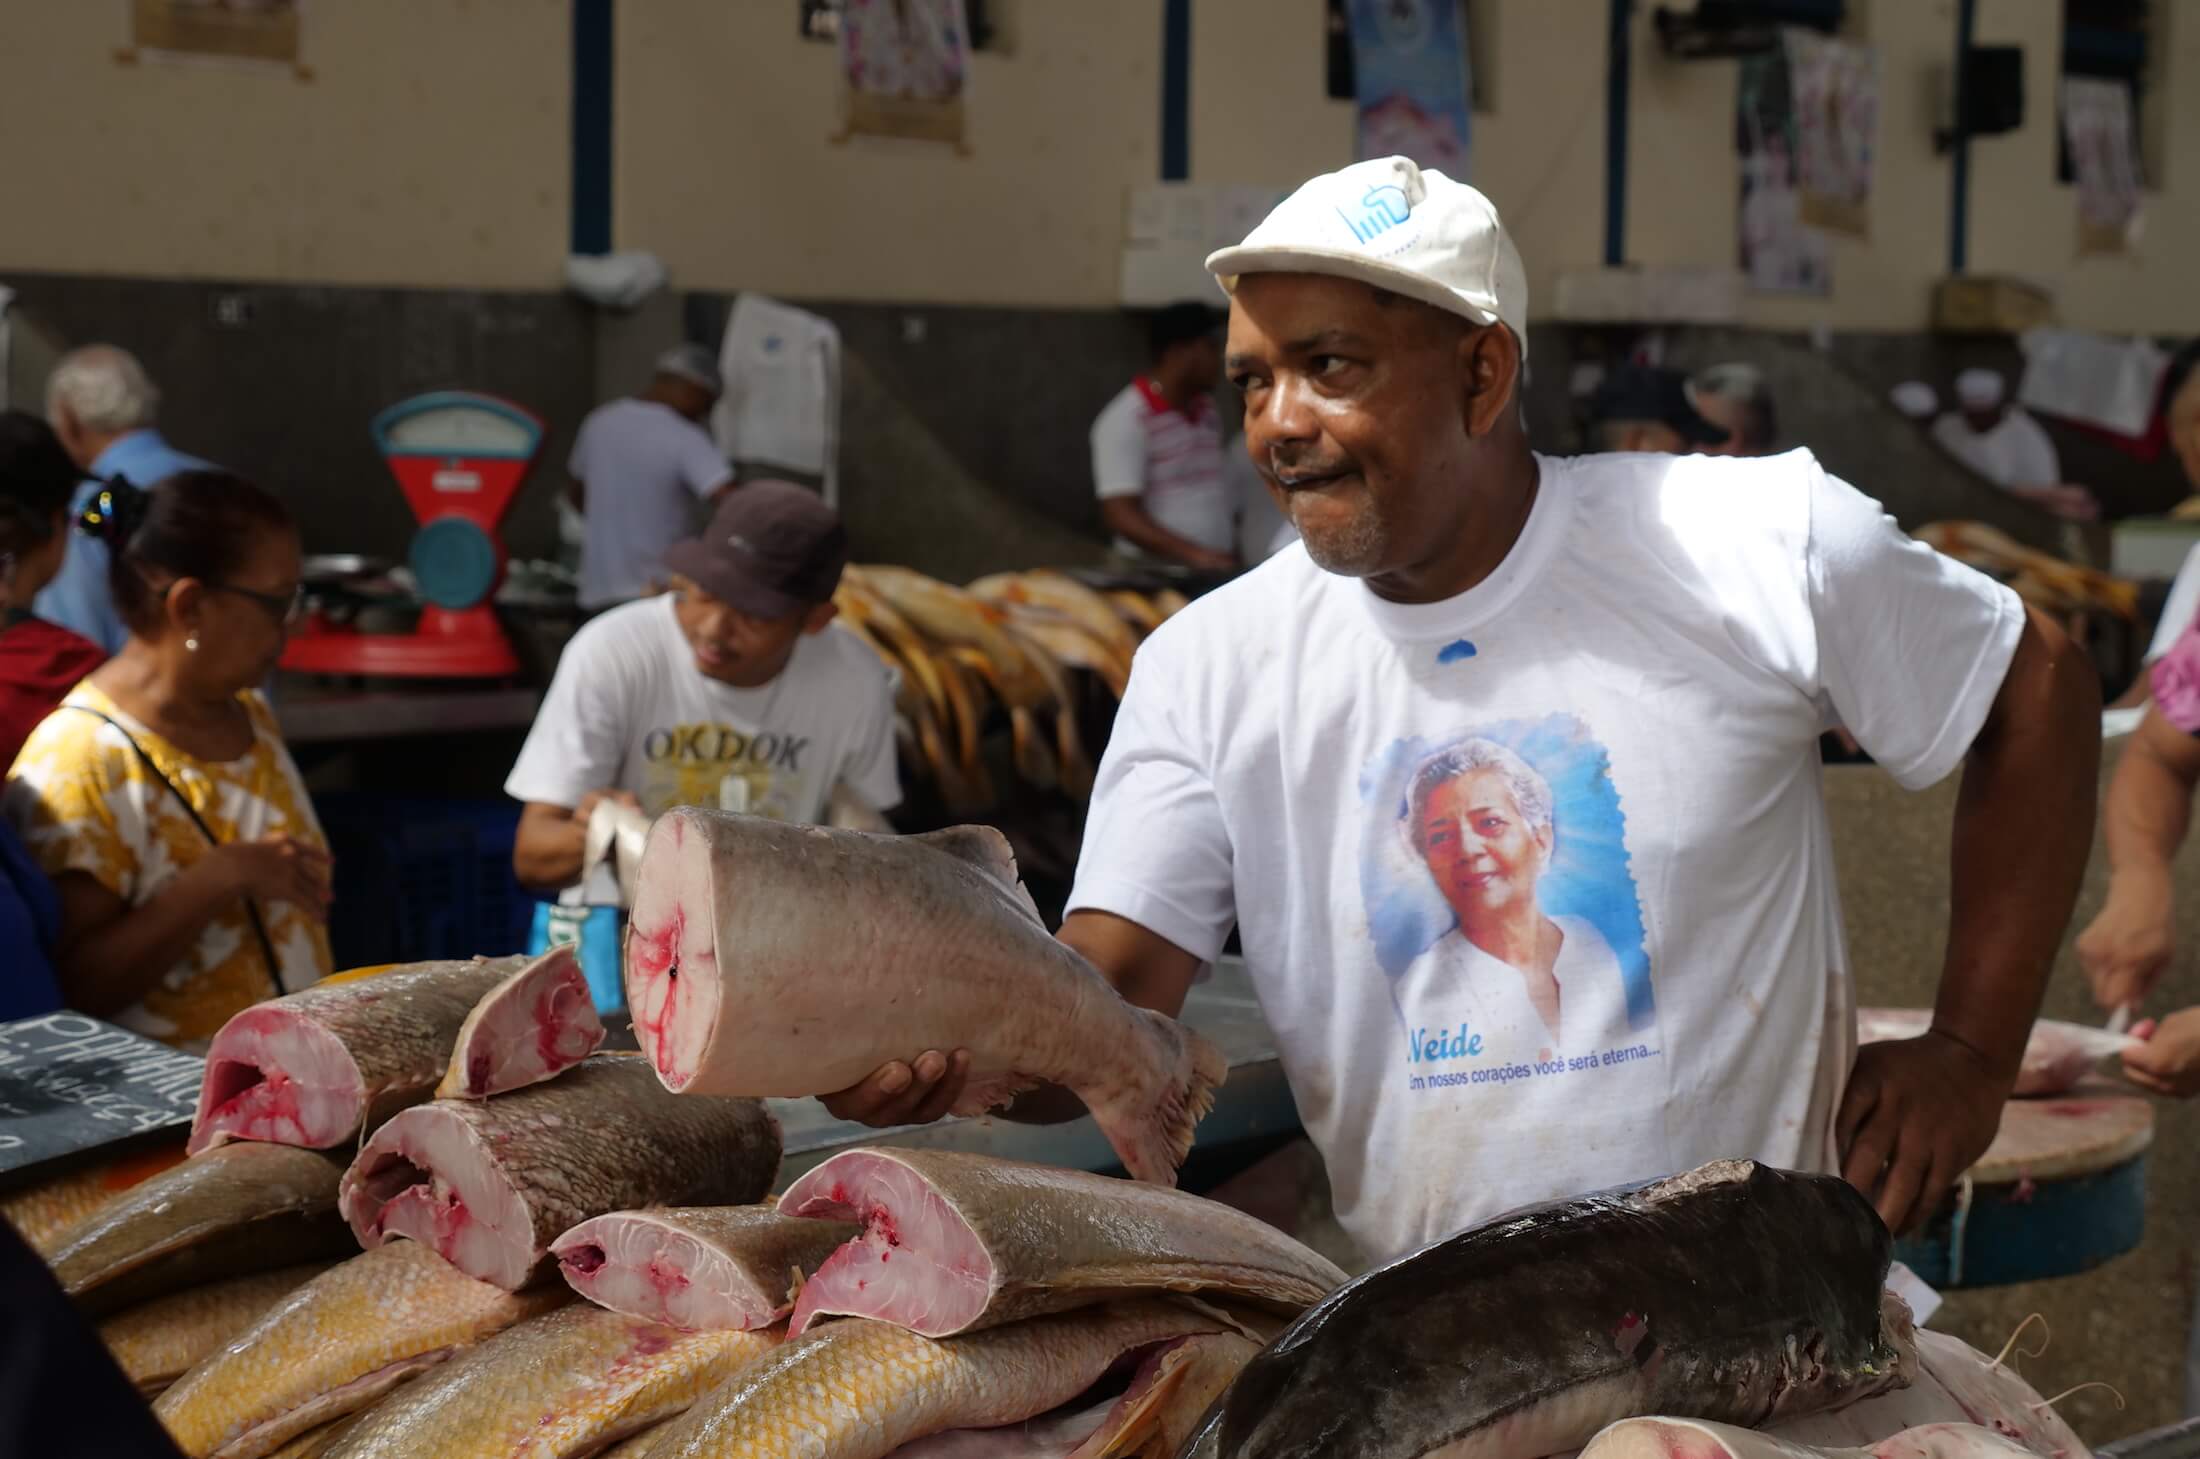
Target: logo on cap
[{"x": 1379, "y": 210}]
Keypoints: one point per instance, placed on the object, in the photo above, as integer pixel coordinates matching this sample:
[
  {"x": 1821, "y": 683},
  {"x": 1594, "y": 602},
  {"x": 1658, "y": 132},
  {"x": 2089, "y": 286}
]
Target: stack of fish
[
  {"x": 1013, "y": 648},
  {"x": 2045, "y": 581}
]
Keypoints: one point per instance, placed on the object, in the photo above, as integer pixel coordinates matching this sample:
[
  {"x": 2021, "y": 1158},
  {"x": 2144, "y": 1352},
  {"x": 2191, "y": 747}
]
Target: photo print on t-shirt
[{"x": 1495, "y": 874}]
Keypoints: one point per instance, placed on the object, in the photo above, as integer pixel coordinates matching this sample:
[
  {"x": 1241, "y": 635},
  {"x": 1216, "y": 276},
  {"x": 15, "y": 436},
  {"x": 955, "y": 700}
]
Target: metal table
[{"x": 1253, "y": 1103}]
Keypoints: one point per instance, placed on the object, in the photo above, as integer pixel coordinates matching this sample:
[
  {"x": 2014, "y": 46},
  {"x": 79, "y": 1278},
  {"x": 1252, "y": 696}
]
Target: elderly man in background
[
  {"x": 2004, "y": 444},
  {"x": 639, "y": 467},
  {"x": 1735, "y": 398},
  {"x": 1647, "y": 408},
  {"x": 102, "y": 405}
]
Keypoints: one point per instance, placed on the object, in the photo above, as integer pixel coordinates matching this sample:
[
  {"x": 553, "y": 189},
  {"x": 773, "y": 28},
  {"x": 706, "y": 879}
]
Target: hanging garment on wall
[
  {"x": 2097, "y": 125},
  {"x": 2092, "y": 379},
  {"x": 1409, "y": 59},
  {"x": 1836, "y": 95},
  {"x": 782, "y": 401},
  {"x": 903, "y": 67},
  {"x": 1780, "y": 252}
]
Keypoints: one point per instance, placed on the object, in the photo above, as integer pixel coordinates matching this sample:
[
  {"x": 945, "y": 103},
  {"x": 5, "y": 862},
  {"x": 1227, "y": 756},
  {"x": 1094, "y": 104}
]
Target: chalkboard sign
[{"x": 71, "y": 1084}]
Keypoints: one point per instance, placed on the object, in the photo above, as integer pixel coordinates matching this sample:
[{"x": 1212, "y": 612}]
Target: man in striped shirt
[{"x": 1157, "y": 450}]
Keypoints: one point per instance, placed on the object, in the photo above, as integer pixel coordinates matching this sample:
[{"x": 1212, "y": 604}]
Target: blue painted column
[
  {"x": 591, "y": 126},
  {"x": 1619, "y": 61},
  {"x": 1176, "y": 90}
]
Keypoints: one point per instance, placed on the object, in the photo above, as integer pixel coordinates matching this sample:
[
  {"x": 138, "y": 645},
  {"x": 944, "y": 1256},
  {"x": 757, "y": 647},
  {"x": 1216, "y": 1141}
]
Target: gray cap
[{"x": 693, "y": 363}]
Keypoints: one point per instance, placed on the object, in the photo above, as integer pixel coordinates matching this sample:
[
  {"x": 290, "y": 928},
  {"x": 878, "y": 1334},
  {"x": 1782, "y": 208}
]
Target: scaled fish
[
  {"x": 697, "y": 1267},
  {"x": 862, "y": 1389},
  {"x": 491, "y": 1183},
  {"x": 563, "y": 1384},
  {"x": 773, "y": 959},
  {"x": 335, "y": 1345},
  {"x": 154, "y": 1344},
  {"x": 240, "y": 1209},
  {"x": 316, "y": 1067},
  {"x": 953, "y": 1242},
  {"x": 44, "y": 1212},
  {"x": 1733, "y": 1292},
  {"x": 533, "y": 1026}
]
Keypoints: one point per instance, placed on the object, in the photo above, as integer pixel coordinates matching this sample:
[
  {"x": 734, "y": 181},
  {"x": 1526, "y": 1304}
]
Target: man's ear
[
  {"x": 1489, "y": 358},
  {"x": 820, "y": 617}
]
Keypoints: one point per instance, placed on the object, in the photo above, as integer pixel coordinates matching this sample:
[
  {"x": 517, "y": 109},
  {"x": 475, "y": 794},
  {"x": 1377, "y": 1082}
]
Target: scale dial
[{"x": 458, "y": 430}]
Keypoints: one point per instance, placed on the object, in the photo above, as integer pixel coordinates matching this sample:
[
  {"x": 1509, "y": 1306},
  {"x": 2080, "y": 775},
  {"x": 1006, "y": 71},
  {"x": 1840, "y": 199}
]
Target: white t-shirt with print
[
  {"x": 1170, "y": 458},
  {"x": 628, "y": 710},
  {"x": 1660, "y": 650}
]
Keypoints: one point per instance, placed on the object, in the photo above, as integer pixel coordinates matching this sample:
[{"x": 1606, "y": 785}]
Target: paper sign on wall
[
  {"x": 903, "y": 66},
  {"x": 1410, "y": 61},
  {"x": 1836, "y": 92}
]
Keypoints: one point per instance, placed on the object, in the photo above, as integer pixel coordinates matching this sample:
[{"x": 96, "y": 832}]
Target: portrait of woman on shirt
[{"x": 193, "y": 876}]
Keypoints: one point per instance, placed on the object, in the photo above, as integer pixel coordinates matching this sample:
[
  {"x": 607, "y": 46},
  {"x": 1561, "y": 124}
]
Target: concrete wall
[{"x": 429, "y": 148}]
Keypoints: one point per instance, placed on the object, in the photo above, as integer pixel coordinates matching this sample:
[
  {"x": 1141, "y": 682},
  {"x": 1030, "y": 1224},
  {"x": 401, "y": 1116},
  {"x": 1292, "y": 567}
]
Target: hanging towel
[{"x": 782, "y": 400}]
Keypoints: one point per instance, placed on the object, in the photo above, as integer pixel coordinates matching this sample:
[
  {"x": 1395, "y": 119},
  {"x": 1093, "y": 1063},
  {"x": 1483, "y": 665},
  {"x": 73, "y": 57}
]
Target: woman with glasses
[{"x": 193, "y": 877}]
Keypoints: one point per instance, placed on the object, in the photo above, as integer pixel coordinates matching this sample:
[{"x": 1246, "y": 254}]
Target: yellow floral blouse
[{"x": 84, "y": 801}]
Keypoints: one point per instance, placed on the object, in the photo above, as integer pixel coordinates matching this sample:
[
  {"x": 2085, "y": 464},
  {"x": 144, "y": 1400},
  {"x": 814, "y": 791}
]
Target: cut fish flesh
[
  {"x": 2056, "y": 1055},
  {"x": 697, "y": 1268},
  {"x": 953, "y": 1241},
  {"x": 1678, "y": 1438},
  {"x": 316, "y": 1067},
  {"x": 772, "y": 959},
  {"x": 1955, "y": 1383},
  {"x": 533, "y": 1026},
  {"x": 491, "y": 1183}
]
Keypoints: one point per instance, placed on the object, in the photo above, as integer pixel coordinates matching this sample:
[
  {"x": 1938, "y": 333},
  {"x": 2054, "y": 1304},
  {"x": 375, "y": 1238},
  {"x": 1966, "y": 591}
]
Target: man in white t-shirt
[
  {"x": 733, "y": 690},
  {"x": 639, "y": 467},
  {"x": 2002, "y": 443},
  {"x": 1508, "y": 776},
  {"x": 1157, "y": 450}
]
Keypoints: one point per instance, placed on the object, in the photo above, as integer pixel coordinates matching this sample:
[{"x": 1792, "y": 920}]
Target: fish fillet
[
  {"x": 335, "y": 1345},
  {"x": 533, "y": 1026},
  {"x": 1955, "y": 1383},
  {"x": 156, "y": 1343},
  {"x": 45, "y": 1212},
  {"x": 2056, "y": 1055},
  {"x": 861, "y": 1389},
  {"x": 491, "y": 1183},
  {"x": 567, "y": 1383},
  {"x": 697, "y": 1268},
  {"x": 316, "y": 1067},
  {"x": 1678, "y": 1438},
  {"x": 1732, "y": 1292},
  {"x": 772, "y": 959},
  {"x": 228, "y": 1212},
  {"x": 952, "y": 1242}
]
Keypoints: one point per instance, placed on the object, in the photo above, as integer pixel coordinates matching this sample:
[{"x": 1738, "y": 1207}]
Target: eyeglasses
[{"x": 284, "y": 610}]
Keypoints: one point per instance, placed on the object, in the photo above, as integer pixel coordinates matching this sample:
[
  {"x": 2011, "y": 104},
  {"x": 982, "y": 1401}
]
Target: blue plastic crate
[{"x": 420, "y": 878}]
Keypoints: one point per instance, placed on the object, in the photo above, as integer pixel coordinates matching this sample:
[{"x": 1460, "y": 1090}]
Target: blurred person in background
[
  {"x": 39, "y": 661},
  {"x": 192, "y": 873},
  {"x": 639, "y": 468},
  {"x": 1157, "y": 457},
  {"x": 1736, "y": 398},
  {"x": 102, "y": 405},
  {"x": 2004, "y": 444},
  {"x": 1645, "y": 408}
]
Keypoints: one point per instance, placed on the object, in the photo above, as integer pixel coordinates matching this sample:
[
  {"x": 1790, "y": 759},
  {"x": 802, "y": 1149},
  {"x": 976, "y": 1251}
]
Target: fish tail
[{"x": 1153, "y": 1132}]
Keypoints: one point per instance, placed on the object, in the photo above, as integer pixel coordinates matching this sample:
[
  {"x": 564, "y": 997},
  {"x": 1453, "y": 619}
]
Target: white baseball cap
[
  {"x": 1981, "y": 389},
  {"x": 1398, "y": 226}
]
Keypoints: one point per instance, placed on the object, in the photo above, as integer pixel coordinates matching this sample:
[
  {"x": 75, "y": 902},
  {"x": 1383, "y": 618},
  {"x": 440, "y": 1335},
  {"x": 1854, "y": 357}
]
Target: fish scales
[
  {"x": 227, "y": 1212},
  {"x": 45, "y": 1212},
  {"x": 697, "y": 1267},
  {"x": 492, "y": 1183},
  {"x": 1733, "y": 1292},
  {"x": 334, "y": 1346},
  {"x": 955, "y": 1241},
  {"x": 861, "y": 1389},
  {"x": 156, "y": 1343},
  {"x": 567, "y": 1383},
  {"x": 770, "y": 959},
  {"x": 316, "y": 1067}
]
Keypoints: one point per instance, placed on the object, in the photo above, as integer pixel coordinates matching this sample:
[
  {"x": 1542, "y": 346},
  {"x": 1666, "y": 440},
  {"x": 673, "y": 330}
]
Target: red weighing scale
[{"x": 460, "y": 458}]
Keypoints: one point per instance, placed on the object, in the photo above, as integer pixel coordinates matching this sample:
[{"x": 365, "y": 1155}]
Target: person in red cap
[{"x": 732, "y": 690}]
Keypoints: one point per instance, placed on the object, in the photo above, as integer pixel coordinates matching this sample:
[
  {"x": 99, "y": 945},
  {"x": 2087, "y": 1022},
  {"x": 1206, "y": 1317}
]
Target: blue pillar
[
  {"x": 591, "y": 126},
  {"x": 1618, "y": 59},
  {"x": 1176, "y": 90}
]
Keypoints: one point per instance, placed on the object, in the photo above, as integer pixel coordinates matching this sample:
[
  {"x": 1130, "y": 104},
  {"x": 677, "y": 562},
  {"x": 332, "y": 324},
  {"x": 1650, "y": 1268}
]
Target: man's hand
[
  {"x": 1918, "y": 1113},
  {"x": 1206, "y": 561},
  {"x": 915, "y": 1093},
  {"x": 2129, "y": 945},
  {"x": 2169, "y": 1061}
]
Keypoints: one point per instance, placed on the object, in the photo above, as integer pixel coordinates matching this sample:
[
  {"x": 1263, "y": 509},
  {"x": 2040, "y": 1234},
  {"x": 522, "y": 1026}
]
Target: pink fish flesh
[
  {"x": 316, "y": 1067},
  {"x": 770, "y": 959},
  {"x": 1955, "y": 1383},
  {"x": 2056, "y": 1056},
  {"x": 698, "y": 1268},
  {"x": 1680, "y": 1438},
  {"x": 491, "y": 1183},
  {"x": 533, "y": 1026}
]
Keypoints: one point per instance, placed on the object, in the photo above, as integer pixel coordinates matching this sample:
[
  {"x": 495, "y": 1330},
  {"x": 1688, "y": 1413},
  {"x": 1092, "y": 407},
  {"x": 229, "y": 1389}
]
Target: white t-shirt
[
  {"x": 2016, "y": 452},
  {"x": 644, "y": 466},
  {"x": 1171, "y": 459},
  {"x": 628, "y": 710},
  {"x": 1659, "y": 652}
]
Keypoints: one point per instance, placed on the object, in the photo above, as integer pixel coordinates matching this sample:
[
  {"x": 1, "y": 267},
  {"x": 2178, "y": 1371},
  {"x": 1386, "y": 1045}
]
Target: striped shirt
[{"x": 1168, "y": 457}]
